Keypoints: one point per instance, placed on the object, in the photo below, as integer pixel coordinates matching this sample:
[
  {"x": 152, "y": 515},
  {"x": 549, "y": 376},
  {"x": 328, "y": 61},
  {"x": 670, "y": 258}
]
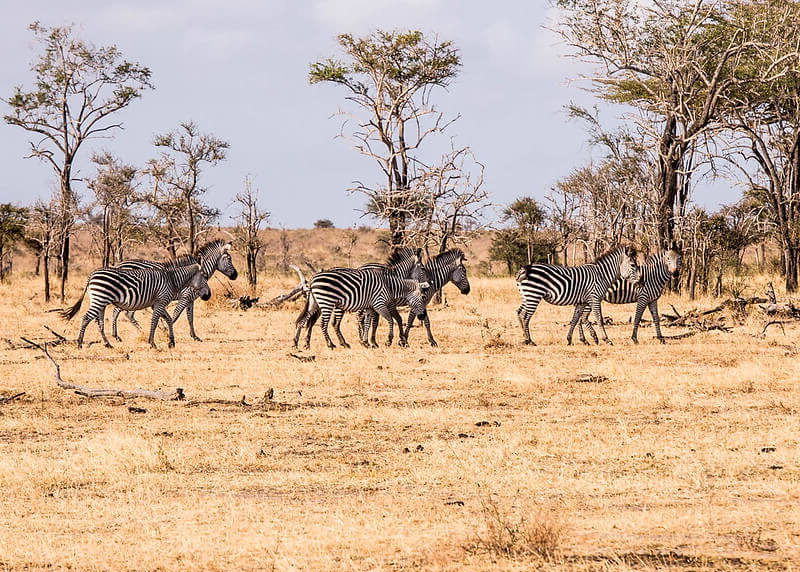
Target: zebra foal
[
  {"x": 136, "y": 290},
  {"x": 656, "y": 272},
  {"x": 583, "y": 285},
  {"x": 214, "y": 256}
]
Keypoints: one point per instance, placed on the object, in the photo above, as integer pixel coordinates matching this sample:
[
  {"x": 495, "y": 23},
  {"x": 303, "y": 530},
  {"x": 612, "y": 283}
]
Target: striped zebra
[
  {"x": 570, "y": 286},
  {"x": 656, "y": 272},
  {"x": 442, "y": 268},
  {"x": 333, "y": 292},
  {"x": 213, "y": 256},
  {"x": 136, "y": 290}
]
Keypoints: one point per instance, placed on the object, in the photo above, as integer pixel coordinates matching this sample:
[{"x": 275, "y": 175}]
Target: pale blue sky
[{"x": 239, "y": 69}]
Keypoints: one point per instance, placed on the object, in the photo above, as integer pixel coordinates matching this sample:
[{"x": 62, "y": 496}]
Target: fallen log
[{"x": 177, "y": 394}]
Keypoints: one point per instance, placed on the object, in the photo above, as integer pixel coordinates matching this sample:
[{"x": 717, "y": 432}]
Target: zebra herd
[{"x": 378, "y": 290}]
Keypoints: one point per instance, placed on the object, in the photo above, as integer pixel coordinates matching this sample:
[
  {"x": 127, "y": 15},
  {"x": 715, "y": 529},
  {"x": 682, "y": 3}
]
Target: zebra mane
[
  {"x": 608, "y": 254},
  {"x": 208, "y": 247},
  {"x": 449, "y": 255},
  {"x": 182, "y": 260},
  {"x": 400, "y": 255}
]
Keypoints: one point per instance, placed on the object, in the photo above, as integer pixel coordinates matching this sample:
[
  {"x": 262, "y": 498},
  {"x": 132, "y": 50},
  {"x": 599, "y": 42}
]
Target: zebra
[
  {"x": 136, "y": 290},
  {"x": 213, "y": 256},
  {"x": 567, "y": 286},
  {"x": 656, "y": 272},
  {"x": 333, "y": 292},
  {"x": 442, "y": 268}
]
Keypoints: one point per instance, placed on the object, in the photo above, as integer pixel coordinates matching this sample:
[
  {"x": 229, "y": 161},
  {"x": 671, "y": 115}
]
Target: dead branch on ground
[
  {"x": 177, "y": 394},
  {"x": 11, "y": 397}
]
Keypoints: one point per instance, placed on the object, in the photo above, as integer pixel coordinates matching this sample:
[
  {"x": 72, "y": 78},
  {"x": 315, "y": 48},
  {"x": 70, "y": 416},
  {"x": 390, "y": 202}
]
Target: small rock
[
  {"x": 465, "y": 436},
  {"x": 419, "y": 448},
  {"x": 768, "y": 449},
  {"x": 134, "y": 409},
  {"x": 455, "y": 503}
]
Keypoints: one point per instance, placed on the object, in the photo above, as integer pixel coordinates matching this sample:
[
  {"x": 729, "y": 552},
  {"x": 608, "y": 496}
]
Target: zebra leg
[
  {"x": 338, "y": 314},
  {"x": 131, "y": 315},
  {"x": 585, "y": 321},
  {"x": 84, "y": 322},
  {"x": 640, "y": 306},
  {"x": 656, "y": 320},
  {"x": 391, "y": 313},
  {"x": 326, "y": 318},
  {"x": 427, "y": 322},
  {"x": 100, "y": 319},
  {"x": 312, "y": 319},
  {"x": 576, "y": 319},
  {"x": 598, "y": 312},
  {"x": 115, "y": 312},
  {"x": 190, "y": 317},
  {"x": 158, "y": 313},
  {"x": 375, "y": 320},
  {"x": 411, "y": 318},
  {"x": 525, "y": 314},
  {"x": 390, "y": 338}
]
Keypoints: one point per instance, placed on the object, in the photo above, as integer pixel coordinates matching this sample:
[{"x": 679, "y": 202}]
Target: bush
[{"x": 324, "y": 223}]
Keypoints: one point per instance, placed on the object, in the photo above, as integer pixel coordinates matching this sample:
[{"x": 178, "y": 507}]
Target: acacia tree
[
  {"x": 668, "y": 60},
  {"x": 390, "y": 78},
  {"x": 12, "y": 229},
  {"x": 116, "y": 200},
  {"x": 78, "y": 87},
  {"x": 177, "y": 174},
  {"x": 528, "y": 218},
  {"x": 249, "y": 221},
  {"x": 764, "y": 112}
]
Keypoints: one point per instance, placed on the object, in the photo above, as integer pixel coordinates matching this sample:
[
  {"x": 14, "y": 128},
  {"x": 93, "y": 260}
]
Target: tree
[
  {"x": 764, "y": 112},
  {"x": 116, "y": 200},
  {"x": 452, "y": 201},
  {"x": 12, "y": 229},
  {"x": 178, "y": 172},
  {"x": 669, "y": 61},
  {"x": 41, "y": 234},
  {"x": 390, "y": 77},
  {"x": 323, "y": 223},
  {"x": 528, "y": 218},
  {"x": 249, "y": 221},
  {"x": 78, "y": 88}
]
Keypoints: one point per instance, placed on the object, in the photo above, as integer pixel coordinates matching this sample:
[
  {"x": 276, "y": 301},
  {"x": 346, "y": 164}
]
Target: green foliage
[
  {"x": 323, "y": 223},
  {"x": 509, "y": 246}
]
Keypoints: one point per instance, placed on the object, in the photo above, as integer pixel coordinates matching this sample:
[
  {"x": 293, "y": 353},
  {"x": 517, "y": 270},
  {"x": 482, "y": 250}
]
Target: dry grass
[{"x": 684, "y": 455}]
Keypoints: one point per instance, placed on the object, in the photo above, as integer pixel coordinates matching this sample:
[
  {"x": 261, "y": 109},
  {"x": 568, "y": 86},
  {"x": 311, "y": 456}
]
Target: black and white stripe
[
  {"x": 442, "y": 268},
  {"x": 656, "y": 272},
  {"x": 333, "y": 292},
  {"x": 583, "y": 285},
  {"x": 136, "y": 290},
  {"x": 212, "y": 257}
]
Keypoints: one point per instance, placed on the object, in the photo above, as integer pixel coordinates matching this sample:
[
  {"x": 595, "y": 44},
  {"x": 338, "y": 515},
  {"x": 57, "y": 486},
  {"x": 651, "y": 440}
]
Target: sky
[{"x": 239, "y": 69}]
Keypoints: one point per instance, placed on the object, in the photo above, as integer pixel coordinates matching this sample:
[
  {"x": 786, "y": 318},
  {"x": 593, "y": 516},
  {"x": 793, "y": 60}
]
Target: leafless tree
[
  {"x": 41, "y": 231},
  {"x": 249, "y": 221}
]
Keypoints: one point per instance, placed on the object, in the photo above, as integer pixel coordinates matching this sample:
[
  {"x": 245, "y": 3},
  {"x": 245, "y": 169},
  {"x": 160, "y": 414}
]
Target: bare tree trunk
[
  {"x": 790, "y": 268},
  {"x": 46, "y": 260}
]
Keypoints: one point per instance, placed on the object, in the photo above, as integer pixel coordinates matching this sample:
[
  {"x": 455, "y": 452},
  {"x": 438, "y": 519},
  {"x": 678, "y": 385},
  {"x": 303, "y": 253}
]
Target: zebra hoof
[
  {"x": 171, "y": 344},
  {"x": 635, "y": 341},
  {"x": 402, "y": 343},
  {"x": 434, "y": 344},
  {"x": 195, "y": 338},
  {"x": 117, "y": 338},
  {"x": 528, "y": 343},
  {"x": 585, "y": 342},
  {"x": 609, "y": 342},
  {"x": 108, "y": 345},
  {"x": 662, "y": 340},
  {"x": 346, "y": 345}
]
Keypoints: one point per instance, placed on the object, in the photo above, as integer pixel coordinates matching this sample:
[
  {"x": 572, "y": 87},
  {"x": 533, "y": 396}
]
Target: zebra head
[
  {"x": 216, "y": 256},
  {"x": 628, "y": 266},
  {"x": 673, "y": 258},
  {"x": 197, "y": 281},
  {"x": 459, "y": 274}
]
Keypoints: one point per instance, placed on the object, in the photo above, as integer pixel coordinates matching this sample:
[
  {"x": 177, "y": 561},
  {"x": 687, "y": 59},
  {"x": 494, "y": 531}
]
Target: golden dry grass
[{"x": 686, "y": 456}]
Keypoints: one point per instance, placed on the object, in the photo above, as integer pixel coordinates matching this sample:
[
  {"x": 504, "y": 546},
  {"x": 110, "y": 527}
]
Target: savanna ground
[{"x": 481, "y": 453}]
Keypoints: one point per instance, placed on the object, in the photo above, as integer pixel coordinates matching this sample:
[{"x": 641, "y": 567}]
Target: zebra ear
[{"x": 227, "y": 246}]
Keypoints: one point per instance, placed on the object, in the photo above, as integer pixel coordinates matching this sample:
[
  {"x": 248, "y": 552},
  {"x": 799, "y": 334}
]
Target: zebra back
[{"x": 656, "y": 273}]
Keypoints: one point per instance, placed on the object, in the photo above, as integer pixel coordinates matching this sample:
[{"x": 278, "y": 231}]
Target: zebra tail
[{"x": 69, "y": 313}]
